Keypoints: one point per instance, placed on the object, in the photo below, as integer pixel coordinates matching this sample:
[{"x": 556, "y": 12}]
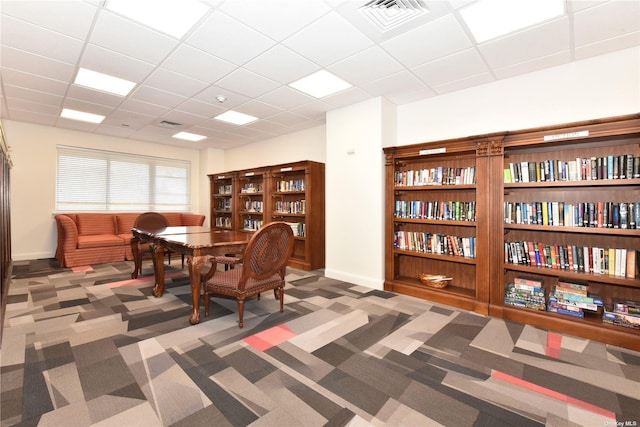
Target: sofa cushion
[
  {"x": 99, "y": 241},
  {"x": 96, "y": 223},
  {"x": 125, "y": 221},
  {"x": 174, "y": 218}
]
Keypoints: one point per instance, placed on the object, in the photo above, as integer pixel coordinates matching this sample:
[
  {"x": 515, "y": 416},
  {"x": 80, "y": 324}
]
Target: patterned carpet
[{"x": 90, "y": 347}]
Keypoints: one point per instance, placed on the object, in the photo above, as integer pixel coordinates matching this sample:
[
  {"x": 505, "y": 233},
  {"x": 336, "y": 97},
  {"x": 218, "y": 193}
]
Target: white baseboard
[{"x": 369, "y": 282}]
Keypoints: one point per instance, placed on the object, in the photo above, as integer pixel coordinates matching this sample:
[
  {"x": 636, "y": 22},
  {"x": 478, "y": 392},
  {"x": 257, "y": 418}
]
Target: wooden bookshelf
[
  {"x": 479, "y": 284},
  {"x": 293, "y": 193}
]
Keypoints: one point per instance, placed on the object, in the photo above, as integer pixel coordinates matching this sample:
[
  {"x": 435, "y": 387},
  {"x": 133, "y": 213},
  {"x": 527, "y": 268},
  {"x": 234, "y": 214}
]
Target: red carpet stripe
[
  {"x": 142, "y": 280},
  {"x": 271, "y": 337},
  {"x": 553, "y": 394},
  {"x": 554, "y": 343}
]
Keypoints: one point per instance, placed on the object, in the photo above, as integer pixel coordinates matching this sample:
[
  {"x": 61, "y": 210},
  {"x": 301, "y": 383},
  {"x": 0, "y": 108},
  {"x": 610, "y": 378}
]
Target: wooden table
[{"x": 197, "y": 243}]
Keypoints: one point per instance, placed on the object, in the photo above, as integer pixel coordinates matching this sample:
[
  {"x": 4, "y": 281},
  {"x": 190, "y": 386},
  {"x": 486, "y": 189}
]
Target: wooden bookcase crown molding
[{"x": 559, "y": 181}]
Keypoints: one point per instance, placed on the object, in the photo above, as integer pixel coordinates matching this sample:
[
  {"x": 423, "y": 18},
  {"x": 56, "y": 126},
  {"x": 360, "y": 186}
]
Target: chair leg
[
  {"x": 240, "y": 312},
  {"x": 206, "y": 304},
  {"x": 281, "y": 292}
]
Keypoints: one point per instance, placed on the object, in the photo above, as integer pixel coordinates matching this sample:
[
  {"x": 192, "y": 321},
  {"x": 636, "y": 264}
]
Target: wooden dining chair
[
  {"x": 148, "y": 221},
  {"x": 264, "y": 263}
]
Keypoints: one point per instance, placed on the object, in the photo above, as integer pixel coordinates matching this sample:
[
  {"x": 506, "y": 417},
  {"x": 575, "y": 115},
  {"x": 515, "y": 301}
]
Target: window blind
[{"x": 105, "y": 181}]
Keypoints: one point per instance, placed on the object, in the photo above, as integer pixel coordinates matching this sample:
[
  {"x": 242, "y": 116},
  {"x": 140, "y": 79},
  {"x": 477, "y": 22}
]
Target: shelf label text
[
  {"x": 578, "y": 134},
  {"x": 433, "y": 151}
]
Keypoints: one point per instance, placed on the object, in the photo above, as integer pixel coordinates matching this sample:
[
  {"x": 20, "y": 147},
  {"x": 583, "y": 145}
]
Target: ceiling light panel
[
  {"x": 187, "y": 136},
  {"x": 320, "y": 84},
  {"x": 235, "y": 117},
  {"x": 103, "y": 82},
  {"x": 488, "y": 19},
  {"x": 81, "y": 116},
  {"x": 171, "y": 17}
]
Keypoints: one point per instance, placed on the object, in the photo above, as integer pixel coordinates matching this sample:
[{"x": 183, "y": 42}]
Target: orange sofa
[{"x": 95, "y": 238}]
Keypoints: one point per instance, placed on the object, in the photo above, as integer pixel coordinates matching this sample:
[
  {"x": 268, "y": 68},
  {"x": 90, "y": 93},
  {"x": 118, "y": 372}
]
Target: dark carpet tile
[
  {"x": 377, "y": 328},
  {"x": 249, "y": 365},
  {"x": 356, "y": 392},
  {"x": 322, "y": 405},
  {"x": 341, "y": 419},
  {"x": 379, "y": 294},
  {"x": 333, "y": 354}
]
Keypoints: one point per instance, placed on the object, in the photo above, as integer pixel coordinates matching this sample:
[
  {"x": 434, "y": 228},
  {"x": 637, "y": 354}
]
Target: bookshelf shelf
[
  {"x": 256, "y": 195},
  {"x": 569, "y": 183}
]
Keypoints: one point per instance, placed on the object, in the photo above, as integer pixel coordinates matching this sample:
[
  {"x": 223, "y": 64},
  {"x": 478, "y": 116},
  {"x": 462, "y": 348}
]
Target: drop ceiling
[{"x": 249, "y": 51}]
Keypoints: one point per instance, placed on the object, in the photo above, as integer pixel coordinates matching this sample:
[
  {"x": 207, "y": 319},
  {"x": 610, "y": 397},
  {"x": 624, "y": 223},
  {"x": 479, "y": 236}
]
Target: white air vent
[{"x": 388, "y": 14}]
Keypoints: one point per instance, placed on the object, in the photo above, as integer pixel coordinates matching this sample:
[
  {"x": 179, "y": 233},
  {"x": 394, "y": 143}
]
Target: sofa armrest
[
  {"x": 67, "y": 237},
  {"x": 192, "y": 219}
]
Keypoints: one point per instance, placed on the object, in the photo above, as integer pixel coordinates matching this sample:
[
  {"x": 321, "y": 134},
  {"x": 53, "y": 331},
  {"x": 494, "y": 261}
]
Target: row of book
[
  {"x": 251, "y": 187},
  {"x": 435, "y": 176},
  {"x": 298, "y": 228},
  {"x": 290, "y": 185},
  {"x": 440, "y": 210},
  {"x": 571, "y": 299},
  {"x": 435, "y": 243},
  {"x": 292, "y": 207},
  {"x": 223, "y": 222},
  {"x": 585, "y": 259},
  {"x": 223, "y": 204},
  {"x": 251, "y": 224},
  {"x": 624, "y": 166},
  {"x": 225, "y": 189},
  {"x": 253, "y": 206},
  {"x": 585, "y": 214}
]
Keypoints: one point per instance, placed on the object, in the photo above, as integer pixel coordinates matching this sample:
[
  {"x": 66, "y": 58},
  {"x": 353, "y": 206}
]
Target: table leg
[
  {"x": 195, "y": 270},
  {"x": 158, "y": 268},
  {"x": 136, "y": 257}
]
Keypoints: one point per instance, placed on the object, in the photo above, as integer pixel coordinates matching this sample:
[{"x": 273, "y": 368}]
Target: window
[{"x": 103, "y": 181}]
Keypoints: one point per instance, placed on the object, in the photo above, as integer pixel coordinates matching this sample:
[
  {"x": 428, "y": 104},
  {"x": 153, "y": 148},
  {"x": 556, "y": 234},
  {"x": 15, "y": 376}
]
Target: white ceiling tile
[
  {"x": 145, "y": 108},
  {"x": 347, "y": 97},
  {"x": 197, "y": 64},
  {"x": 623, "y": 16},
  {"x": 200, "y": 108},
  {"x": 117, "y": 131},
  {"x": 366, "y": 66},
  {"x": 34, "y": 82},
  {"x": 40, "y": 41},
  {"x": 535, "y": 64},
  {"x": 268, "y": 126},
  {"x": 427, "y": 42},
  {"x": 339, "y": 39},
  {"x": 37, "y": 108},
  {"x": 116, "y": 33},
  {"x": 72, "y": 18},
  {"x": 399, "y": 84},
  {"x": 157, "y": 96},
  {"x": 286, "y": 97},
  {"x": 314, "y": 110},
  {"x": 258, "y": 109},
  {"x": 94, "y": 96},
  {"x": 541, "y": 41},
  {"x": 626, "y": 41},
  {"x": 460, "y": 65},
  {"x": 87, "y": 107},
  {"x": 246, "y": 83},
  {"x": 35, "y": 64},
  {"x": 185, "y": 119},
  {"x": 464, "y": 83},
  {"x": 32, "y": 117},
  {"x": 106, "y": 61},
  {"x": 170, "y": 81},
  {"x": 271, "y": 64},
  {"x": 209, "y": 95},
  {"x": 77, "y": 125},
  {"x": 226, "y": 38},
  {"x": 277, "y": 19},
  {"x": 127, "y": 120},
  {"x": 34, "y": 96}
]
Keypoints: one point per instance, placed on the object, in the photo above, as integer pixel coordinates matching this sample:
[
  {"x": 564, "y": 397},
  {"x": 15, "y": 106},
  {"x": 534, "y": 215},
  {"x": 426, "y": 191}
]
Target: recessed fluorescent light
[
  {"x": 488, "y": 19},
  {"x": 189, "y": 136},
  {"x": 235, "y": 117},
  {"x": 320, "y": 84},
  {"x": 103, "y": 82},
  {"x": 169, "y": 16},
  {"x": 81, "y": 116}
]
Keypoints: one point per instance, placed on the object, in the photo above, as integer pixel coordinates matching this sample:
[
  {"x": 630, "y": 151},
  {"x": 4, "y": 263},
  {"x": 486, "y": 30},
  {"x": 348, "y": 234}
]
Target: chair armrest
[
  {"x": 192, "y": 219},
  {"x": 67, "y": 236}
]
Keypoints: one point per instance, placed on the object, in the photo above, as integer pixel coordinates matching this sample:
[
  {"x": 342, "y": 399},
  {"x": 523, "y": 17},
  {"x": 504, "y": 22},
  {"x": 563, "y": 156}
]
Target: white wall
[
  {"x": 308, "y": 144},
  {"x": 33, "y": 179},
  {"x": 599, "y": 87},
  {"x": 355, "y": 191}
]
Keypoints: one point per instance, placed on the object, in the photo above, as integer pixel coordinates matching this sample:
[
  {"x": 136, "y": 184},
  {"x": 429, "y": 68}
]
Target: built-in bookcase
[
  {"x": 570, "y": 195},
  {"x": 222, "y": 196},
  {"x": 437, "y": 220},
  {"x": 291, "y": 193},
  {"x": 550, "y": 208}
]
